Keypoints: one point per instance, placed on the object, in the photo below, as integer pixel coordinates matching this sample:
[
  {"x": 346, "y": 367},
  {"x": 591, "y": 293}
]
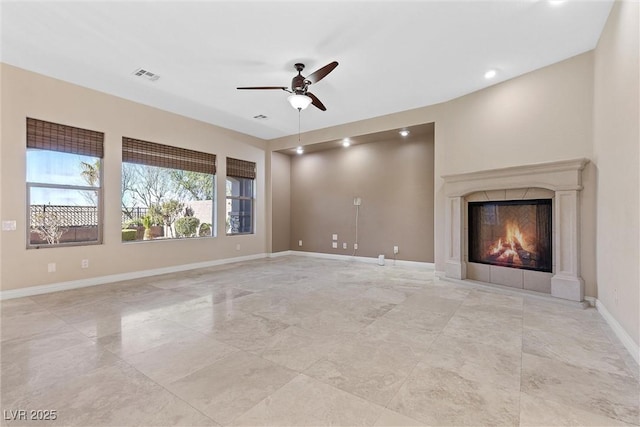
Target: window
[
  {"x": 167, "y": 192},
  {"x": 64, "y": 190},
  {"x": 240, "y": 194}
]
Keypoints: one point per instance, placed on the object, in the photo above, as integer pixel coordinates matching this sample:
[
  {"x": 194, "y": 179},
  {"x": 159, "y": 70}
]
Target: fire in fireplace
[{"x": 514, "y": 233}]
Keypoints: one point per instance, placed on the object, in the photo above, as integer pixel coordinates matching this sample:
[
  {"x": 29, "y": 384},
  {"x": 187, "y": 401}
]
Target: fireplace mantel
[{"x": 564, "y": 178}]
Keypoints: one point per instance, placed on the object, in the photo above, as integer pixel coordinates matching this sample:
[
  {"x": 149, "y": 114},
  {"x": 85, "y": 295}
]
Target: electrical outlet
[
  {"x": 84, "y": 263},
  {"x": 395, "y": 250},
  {"x": 334, "y": 245},
  {"x": 51, "y": 267},
  {"x": 299, "y": 242},
  {"x": 344, "y": 245},
  {"x": 355, "y": 246},
  {"x": 357, "y": 201},
  {"x": 238, "y": 247}
]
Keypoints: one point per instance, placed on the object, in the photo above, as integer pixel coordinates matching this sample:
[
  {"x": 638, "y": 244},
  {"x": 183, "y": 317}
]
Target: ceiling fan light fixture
[
  {"x": 300, "y": 150},
  {"x": 299, "y": 102}
]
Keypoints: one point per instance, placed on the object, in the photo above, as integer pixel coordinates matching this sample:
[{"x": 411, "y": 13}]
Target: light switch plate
[{"x": 9, "y": 225}]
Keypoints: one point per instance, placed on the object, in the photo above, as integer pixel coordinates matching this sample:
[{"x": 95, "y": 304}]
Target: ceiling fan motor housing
[{"x": 299, "y": 83}]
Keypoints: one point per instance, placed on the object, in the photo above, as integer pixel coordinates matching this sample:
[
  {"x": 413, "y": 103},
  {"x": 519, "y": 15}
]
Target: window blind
[
  {"x": 241, "y": 168},
  {"x": 67, "y": 139},
  {"x": 166, "y": 156}
]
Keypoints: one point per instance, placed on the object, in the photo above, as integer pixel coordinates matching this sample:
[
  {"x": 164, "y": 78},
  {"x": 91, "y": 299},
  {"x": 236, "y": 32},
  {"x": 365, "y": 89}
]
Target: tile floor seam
[
  {"x": 521, "y": 367},
  {"x": 259, "y": 402},
  {"x": 166, "y": 389},
  {"x": 341, "y": 389},
  {"x": 68, "y": 324},
  {"x": 417, "y": 363},
  {"x": 206, "y": 334},
  {"x": 557, "y": 357},
  {"x": 583, "y": 409}
]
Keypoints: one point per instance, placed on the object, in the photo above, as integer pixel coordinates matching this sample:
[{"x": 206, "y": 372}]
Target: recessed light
[
  {"x": 490, "y": 74},
  {"x": 404, "y": 132},
  {"x": 299, "y": 150},
  {"x": 346, "y": 142}
]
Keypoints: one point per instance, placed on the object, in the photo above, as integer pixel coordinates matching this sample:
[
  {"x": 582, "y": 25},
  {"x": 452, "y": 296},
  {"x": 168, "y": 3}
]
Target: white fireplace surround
[{"x": 563, "y": 178}]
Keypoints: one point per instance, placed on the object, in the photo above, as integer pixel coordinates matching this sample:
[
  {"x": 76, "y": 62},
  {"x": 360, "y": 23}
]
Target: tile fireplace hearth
[{"x": 525, "y": 225}]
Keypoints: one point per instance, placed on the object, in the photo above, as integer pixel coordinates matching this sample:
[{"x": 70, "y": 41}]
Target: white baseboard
[
  {"x": 622, "y": 335},
  {"x": 279, "y": 254},
  {"x": 101, "y": 280},
  {"x": 368, "y": 260}
]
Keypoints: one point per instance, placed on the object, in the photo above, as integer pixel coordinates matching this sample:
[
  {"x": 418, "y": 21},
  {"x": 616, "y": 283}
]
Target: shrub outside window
[
  {"x": 64, "y": 192},
  {"x": 240, "y": 196},
  {"x": 167, "y": 192}
]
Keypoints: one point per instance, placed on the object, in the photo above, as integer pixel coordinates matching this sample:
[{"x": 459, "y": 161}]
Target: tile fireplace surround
[{"x": 562, "y": 182}]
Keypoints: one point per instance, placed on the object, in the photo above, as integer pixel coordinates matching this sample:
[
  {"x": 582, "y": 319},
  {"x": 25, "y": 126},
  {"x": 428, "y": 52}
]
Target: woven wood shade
[
  {"x": 166, "y": 156},
  {"x": 241, "y": 168},
  {"x": 67, "y": 139}
]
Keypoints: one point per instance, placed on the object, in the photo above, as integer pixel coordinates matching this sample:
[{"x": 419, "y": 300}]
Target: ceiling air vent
[{"x": 141, "y": 72}]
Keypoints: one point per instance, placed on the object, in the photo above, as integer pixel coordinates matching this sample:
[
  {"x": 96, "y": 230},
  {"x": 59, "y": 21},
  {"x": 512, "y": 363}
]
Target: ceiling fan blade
[
  {"x": 263, "y": 87},
  {"x": 321, "y": 73},
  {"x": 316, "y": 102}
]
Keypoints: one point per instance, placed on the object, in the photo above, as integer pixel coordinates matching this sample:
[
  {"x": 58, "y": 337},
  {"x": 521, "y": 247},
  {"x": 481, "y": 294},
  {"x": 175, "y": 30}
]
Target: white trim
[
  {"x": 101, "y": 280},
  {"x": 279, "y": 254},
  {"x": 509, "y": 172},
  {"x": 368, "y": 260},
  {"x": 622, "y": 335}
]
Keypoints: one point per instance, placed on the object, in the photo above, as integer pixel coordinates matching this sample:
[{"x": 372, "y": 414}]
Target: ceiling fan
[{"x": 301, "y": 97}]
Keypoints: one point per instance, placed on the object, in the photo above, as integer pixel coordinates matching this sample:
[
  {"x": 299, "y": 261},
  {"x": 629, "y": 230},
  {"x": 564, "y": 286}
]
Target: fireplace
[
  {"x": 511, "y": 233},
  {"x": 547, "y": 264}
]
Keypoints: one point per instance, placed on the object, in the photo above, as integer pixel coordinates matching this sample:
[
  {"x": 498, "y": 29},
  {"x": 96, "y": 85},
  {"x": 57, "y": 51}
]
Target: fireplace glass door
[{"x": 515, "y": 233}]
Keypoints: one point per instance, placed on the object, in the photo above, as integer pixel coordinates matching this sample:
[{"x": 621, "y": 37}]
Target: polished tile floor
[{"x": 299, "y": 341}]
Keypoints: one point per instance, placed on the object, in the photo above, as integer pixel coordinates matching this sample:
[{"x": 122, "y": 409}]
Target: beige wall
[
  {"x": 394, "y": 180},
  {"x": 281, "y": 200},
  {"x": 617, "y": 157},
  {"x": 26, "y": 94}
]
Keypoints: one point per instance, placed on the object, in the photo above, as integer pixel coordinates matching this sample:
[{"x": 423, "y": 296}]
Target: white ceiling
[{"x": 393, "y": 55}]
